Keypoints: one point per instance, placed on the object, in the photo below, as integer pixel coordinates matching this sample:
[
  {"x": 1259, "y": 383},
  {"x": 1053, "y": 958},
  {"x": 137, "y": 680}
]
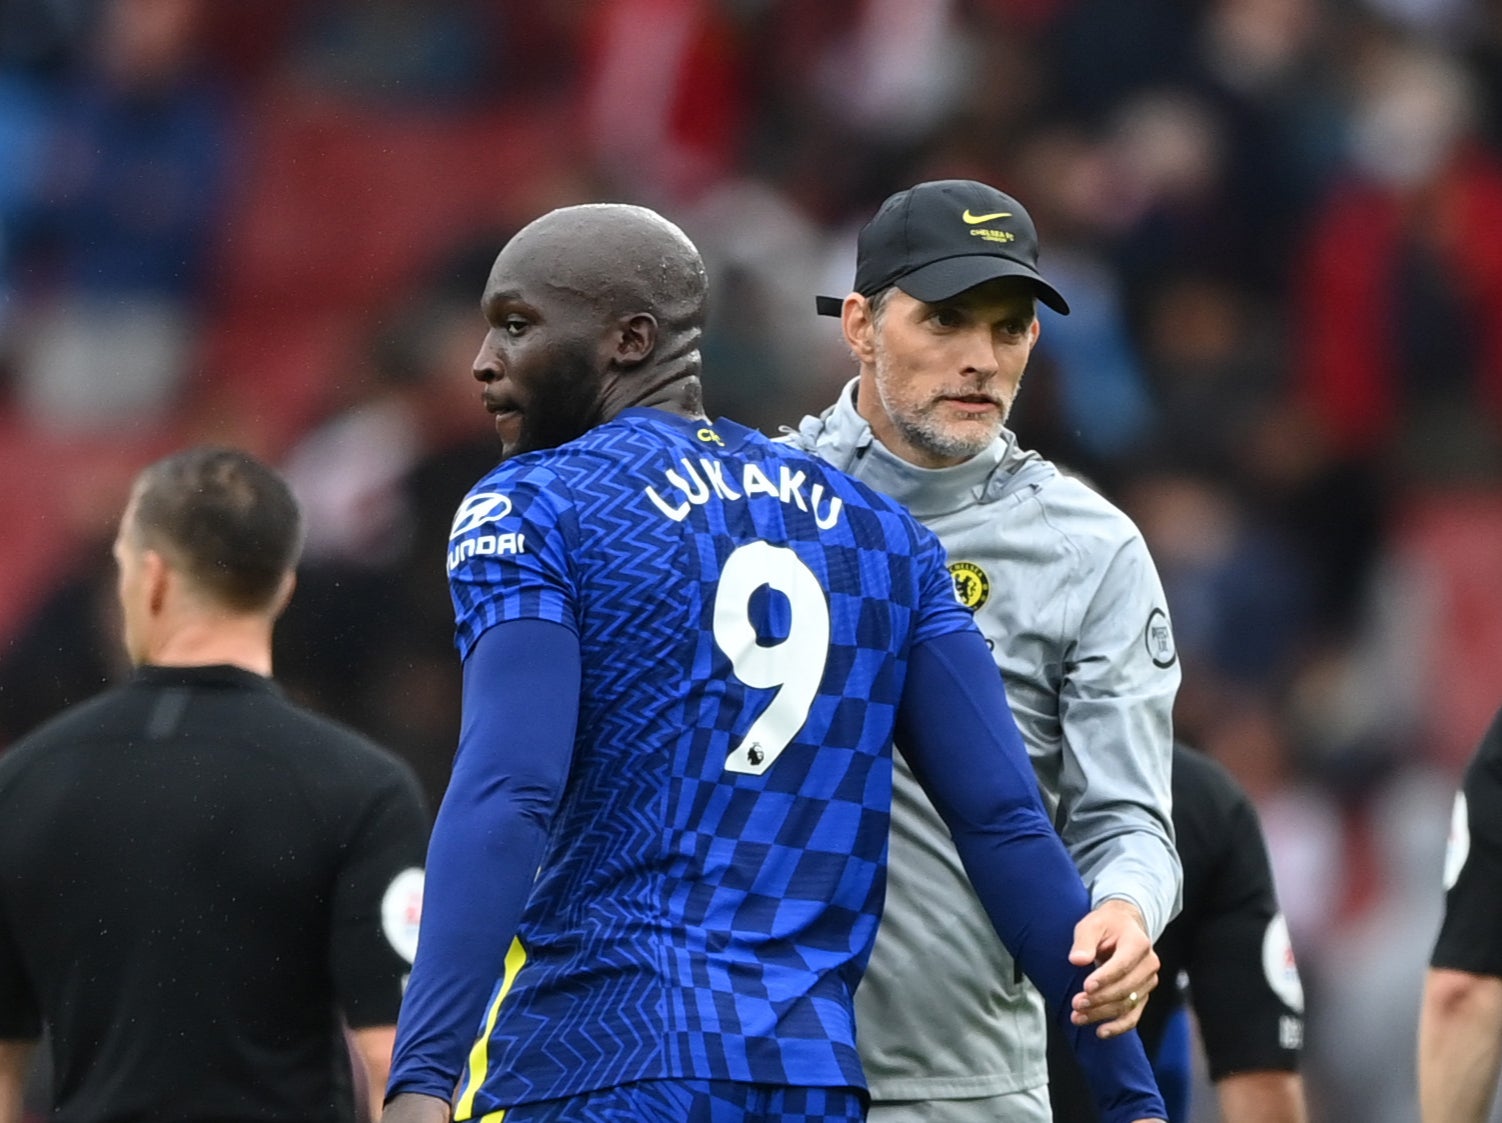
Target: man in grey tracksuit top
[{"x": 1065, "y": 592}]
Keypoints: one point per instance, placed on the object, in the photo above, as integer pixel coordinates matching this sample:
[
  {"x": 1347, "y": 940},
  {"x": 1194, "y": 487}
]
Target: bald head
[
  {"x": 616, "y": 259},
  {"x": 592, "y": 310}
]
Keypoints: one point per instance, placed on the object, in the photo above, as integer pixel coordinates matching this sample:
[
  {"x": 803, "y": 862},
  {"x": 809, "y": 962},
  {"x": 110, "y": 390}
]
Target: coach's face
[
  {"x": 543, "y": 361},
  {"x": 938, "y": 380}
]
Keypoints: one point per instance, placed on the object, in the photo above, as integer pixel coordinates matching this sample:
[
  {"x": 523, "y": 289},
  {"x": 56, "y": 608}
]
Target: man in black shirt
[
  {"x": 1460, "y": 1025},
  {"x": 197, "y": 878},
  {"x": 1232, "y": 943}
]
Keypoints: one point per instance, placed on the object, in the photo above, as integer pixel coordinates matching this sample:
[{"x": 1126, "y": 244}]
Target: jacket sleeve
[
  {"x": 1116, "y": 715},
  {"x": 966, "y": 752}
]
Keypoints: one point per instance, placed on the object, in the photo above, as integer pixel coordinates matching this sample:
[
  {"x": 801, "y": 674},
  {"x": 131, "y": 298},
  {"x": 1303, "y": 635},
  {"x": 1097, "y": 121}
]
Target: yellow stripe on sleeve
[{"x": 479, "y": 1056}]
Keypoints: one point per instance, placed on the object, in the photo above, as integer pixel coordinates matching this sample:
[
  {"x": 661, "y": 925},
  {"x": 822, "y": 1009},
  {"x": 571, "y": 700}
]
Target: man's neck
[
  {"x": 675, "y": 391},
  {"x": 235, "y": 642}
]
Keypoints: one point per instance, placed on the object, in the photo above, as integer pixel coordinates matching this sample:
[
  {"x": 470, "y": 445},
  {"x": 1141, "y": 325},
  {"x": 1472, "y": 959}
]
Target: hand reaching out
[{"x": 1113, "y": 936}]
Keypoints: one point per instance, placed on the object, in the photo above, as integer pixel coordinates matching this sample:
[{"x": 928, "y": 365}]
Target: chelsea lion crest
[{"x": 971, "y": 585}]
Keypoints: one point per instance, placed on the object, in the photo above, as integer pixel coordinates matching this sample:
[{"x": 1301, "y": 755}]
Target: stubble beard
[
  {"x": 565, "y": 411},
  {"x": 920, "y": 425}
]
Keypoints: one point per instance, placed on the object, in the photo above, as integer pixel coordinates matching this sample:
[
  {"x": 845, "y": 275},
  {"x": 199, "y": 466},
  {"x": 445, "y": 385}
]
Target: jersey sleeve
[
  {"x": 20, "y": 1016},
  {"x": 966, "y": 751},
  {"x": 939, "y": 612},
  {"x": 1116, "y": 712},
  {"x": 377, "y": 903},
  {"x": 520, "y": 710},
  {"x": 1470, "y": 937},
  {"x": 508, "y": 555},
  {"x": 1243, "y": 979}
]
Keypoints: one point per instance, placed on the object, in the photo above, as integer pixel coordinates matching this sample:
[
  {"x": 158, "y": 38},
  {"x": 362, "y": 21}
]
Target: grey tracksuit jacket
[{"x": 1066, "y": 594}]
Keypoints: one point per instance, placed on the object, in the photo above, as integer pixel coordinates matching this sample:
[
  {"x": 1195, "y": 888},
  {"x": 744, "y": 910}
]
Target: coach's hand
[
  {"x": 1115, "y": 937},
  {"x": 411, "y": 1107}
]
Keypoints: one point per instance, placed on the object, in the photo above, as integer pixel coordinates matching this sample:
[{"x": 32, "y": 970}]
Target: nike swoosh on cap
[{"x": 972, "y": 219}]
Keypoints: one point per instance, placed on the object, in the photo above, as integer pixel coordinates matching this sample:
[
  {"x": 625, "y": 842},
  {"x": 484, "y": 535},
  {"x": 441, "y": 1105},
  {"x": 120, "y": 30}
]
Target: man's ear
[
  {"x": 635, "y": 339},
  {"x": 284, "y": 594},
  {"x": 156, "y": 576},
  {"x": 859, "y": 327}
]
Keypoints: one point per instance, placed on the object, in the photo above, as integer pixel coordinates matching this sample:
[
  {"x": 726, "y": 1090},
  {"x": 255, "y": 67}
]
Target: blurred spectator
[
  {"x": 663, "y": 95},
  {"x": 1213, "y": 354},
  {"x": 67, "y": 647},
  {"x": 1400, "y": 302},
  {"x": 399, "y": 51},
  {"x": 1425, "y": 681},
  {"x": 1267, "y": 68},
  {"x": 1235, "y": 590},
  {"x": 1216, "y": 352},
  {"x": 65, "y": 650},
  {"x": 1104, "y": 51},
  {"x": 1099, "y": 395},
  {"x": 766, "y": 256},
  {"x": 1167, "y": 155},
  {"x": 125, "y": 212},
  {"x": 1375, "y": 975}
]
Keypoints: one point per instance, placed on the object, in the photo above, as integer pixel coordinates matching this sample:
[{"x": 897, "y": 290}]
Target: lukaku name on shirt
[{"x": 698, "y": 489}]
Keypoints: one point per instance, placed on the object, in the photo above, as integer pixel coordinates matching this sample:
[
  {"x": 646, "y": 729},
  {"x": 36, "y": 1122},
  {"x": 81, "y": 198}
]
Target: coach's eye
[
  {"x": 515, "y": 326},
  {"x": 947, "y": 317}
]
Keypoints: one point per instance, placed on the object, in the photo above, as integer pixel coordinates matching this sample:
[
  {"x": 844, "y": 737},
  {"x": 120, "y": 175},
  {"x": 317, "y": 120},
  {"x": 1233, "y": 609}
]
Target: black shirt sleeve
[
  {"x": 20, "y": 1017},
  {"x": 1470, "y": 938},
  {"x": 1243, "y": 980},
  {"x": 378, "y": 901}
]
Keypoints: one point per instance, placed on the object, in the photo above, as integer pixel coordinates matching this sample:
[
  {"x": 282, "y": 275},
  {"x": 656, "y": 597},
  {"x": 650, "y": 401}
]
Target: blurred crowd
[{"x": 1279, "y": 224}]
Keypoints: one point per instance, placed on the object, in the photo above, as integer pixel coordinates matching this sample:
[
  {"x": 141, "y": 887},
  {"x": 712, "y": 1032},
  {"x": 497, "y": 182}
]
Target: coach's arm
[
  {"x": 1460, "y": 1045},
  {"x": 15, "y": 1063}
]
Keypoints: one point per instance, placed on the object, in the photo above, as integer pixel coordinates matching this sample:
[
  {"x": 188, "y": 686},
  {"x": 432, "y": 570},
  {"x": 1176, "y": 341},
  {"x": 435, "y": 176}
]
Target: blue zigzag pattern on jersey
[{"x": 689, "y": 921}]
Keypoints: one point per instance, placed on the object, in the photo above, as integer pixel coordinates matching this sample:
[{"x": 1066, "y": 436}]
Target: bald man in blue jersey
[{"x": 657, "y": 873}]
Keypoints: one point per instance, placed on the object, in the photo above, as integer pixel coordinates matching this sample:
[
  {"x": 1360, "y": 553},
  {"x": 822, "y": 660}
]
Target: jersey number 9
[{"x": 794, "y": 666}]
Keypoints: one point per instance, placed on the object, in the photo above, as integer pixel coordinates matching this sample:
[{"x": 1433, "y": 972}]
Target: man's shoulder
[
  {"x": 83, "y": 721},
  {"x": 1483, "y": 775},
  {"x": 1489, "y": 752},
  {"x": 1075, "y": 508},
  {"x": 534, "y": 472},
  {"x": 1045, "y": 516},
  {"x": 327, "y": 747}
]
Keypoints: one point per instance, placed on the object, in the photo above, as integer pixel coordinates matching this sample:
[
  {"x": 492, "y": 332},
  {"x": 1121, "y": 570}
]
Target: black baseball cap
[{"x": 939, "y": 238}]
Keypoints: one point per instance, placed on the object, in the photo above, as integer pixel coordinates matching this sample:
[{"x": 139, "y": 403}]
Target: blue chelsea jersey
[{"x": 714, "y": 873}]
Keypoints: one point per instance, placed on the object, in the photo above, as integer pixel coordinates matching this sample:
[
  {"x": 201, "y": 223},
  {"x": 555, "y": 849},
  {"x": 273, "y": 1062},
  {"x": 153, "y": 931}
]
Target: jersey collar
[
  {"x": 719, "y": 431},
  {"x": 216, "y": 675}
]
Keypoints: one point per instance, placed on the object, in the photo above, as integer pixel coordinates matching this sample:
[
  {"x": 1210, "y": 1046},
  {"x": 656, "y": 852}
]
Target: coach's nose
[{"x": 978, "y": 355}]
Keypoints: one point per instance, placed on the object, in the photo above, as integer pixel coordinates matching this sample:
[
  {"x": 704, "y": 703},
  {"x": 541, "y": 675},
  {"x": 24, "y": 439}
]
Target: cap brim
[
  {"x": 828, "y": 305},
  {"x": 940, "y": 280}
]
